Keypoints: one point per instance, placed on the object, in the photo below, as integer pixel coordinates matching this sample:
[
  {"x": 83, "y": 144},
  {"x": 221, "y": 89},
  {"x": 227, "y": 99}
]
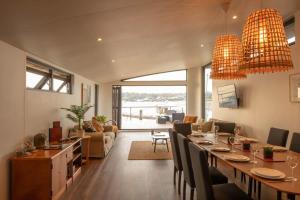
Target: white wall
[
  {"x": 265, "y": 100},
  {"x": 27, "y": 112},
  {"x": 12, "y": 80}
]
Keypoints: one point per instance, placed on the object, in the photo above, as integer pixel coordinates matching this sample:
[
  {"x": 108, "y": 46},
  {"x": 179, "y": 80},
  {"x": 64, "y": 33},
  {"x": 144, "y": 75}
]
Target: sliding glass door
[
  {"x": 151, "y": 107},
  {"x": 206, "y": 93}
]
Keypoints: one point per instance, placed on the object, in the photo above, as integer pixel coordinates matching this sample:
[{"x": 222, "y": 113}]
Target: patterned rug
[{"x": 143, "y": 150}]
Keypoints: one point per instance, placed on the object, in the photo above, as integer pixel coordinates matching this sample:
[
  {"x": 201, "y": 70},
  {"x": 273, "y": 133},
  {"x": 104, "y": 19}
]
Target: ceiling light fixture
[
  {"x": 99, "y": 39},
  {"x": 234, "y": 17},
  {"x": 202, "y": 45},
  {"x": 113, "y": 61},
  {"x": 265, "y": 46},
  {"x": 227, "y": 55}
]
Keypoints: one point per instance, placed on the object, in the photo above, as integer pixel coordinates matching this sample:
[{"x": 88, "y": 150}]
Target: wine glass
[
  {"x": 231, "y": 141},
  {"x": 254, "y": 150},
  {"x": 292, "y": 162},
  {"x": 217, "y": 128}
]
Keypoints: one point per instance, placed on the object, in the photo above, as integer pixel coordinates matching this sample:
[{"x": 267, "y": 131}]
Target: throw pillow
[
  {"x": 97, "y": 125},
  {"x": 88, "y": 126},
  {"x": 206, "y": 126}
]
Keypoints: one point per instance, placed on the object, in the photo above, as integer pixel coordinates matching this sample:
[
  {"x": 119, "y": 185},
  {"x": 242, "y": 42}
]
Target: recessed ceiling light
[
  {"x": 201, "y": 45},
  {"x": 113, "y": 61},
  {"x": 99, "y": 39},
  {"x": 234, "y": 17}
]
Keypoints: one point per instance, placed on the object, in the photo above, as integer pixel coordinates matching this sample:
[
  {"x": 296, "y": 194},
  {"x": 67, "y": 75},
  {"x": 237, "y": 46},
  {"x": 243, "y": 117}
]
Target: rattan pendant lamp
[
  {"x": 227, "y": 55},
  {"x": 265, "y": 46}
]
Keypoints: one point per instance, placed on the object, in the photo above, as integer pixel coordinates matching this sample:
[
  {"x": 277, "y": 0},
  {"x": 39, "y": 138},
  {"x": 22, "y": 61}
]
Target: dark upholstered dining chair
[
  {"x": 216, "y": 176},
  {"x": 176, "y": 158},
  {"x": 278, "y": 137},
  {"x": 183, "y": 128},
  {"x": 295, "y": 143},
  {"x": 205, "y": 189}
]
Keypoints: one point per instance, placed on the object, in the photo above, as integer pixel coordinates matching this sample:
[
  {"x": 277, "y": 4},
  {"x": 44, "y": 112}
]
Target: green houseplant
[
  {"x": 78, "y": 113},
  {"x": 101, "y": 118}
]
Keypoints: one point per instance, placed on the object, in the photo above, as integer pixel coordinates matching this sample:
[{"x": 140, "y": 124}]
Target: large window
[
  {"x": 207, "y": 93},
  {"x": 289, "y": 27},
  {"x": 41, "y": 76},
  {"x": 179, "y": 75},
  {"x": 151, "y": 107}
]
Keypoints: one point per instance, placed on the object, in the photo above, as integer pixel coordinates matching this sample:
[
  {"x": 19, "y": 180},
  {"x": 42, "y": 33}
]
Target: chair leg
[
  {"x": 278, "y": 195},
  {"x": 211, "y": 160},
  {"x": 216, "y": 162},
  {"x": 291, "y": 196},
  {"x": 234, "y": 169},
  {"x": 250, "y": 187},
  {"x": 192, "y": 193},
  {"x": 179, "y": 181},
  {"x": 184, "y": 190},
  {"x": 174, "y": 175},
  {"x": 259, "y": 190},
  {"x": 254, "y": 186}
]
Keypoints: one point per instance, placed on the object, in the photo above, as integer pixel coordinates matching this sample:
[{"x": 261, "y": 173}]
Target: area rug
[{"x": 143, "y": 150}]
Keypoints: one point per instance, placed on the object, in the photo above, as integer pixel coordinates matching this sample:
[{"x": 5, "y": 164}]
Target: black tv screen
[{"x": 227, "y": 96}]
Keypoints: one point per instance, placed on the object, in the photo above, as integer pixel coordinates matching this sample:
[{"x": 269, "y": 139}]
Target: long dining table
[{"x": 292, "y": 188}]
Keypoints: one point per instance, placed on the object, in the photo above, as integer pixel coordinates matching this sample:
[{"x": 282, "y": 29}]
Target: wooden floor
[{"x": 117, "y": 178}]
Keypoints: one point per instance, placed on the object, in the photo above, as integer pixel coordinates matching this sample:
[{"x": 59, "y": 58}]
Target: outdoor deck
[{"x": 135, "y": 123}]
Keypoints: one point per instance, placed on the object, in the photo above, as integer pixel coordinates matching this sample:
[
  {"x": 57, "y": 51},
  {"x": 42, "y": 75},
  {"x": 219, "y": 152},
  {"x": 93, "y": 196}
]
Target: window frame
[
  {"x": 207, "y": 66},
  {"x": 49, "y": 73},
  {"x": 290, "y": 21},
  {"x": 186, "y": 77}
]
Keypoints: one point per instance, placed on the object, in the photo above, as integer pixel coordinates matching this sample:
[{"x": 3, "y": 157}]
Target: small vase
[{"x": 268, "y": 152}]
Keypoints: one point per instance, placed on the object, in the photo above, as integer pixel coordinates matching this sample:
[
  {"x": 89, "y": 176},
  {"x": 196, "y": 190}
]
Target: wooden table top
[{"x": 245, "y": 167}]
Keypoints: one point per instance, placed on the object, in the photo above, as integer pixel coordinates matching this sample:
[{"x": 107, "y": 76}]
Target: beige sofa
[
  {"x": 101, "y": 143},
  {"x": 102, "y": 138}
]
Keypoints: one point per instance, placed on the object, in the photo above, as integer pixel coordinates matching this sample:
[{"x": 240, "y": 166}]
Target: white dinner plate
[
  {"x": 221, "y": 149},
  {"x": 243, "y": 139},
  {"x": 224, "y": 134},
  {"x": 268, "y": 173},
  {"x": 237, "y": 158},
  {"x": 204, "y": 142}
]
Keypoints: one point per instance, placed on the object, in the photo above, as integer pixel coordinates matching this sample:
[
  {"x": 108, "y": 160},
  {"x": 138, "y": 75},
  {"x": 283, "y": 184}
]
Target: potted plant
[
  {"x": 77, "y": 115},
  {"x": 101, "y": 118},
  {"x": 268, "y": 152}
]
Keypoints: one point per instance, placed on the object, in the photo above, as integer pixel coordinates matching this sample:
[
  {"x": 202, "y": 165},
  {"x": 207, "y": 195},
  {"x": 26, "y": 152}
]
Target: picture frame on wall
[
  {"x": 86, "y": 94},
  {"x": 295, "y": 88}
]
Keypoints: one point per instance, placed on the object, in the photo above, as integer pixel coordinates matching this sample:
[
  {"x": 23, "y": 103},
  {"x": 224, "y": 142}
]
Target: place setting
[
  {"x": 204, "y": 142},
  {"x": 237, "y": 158}
]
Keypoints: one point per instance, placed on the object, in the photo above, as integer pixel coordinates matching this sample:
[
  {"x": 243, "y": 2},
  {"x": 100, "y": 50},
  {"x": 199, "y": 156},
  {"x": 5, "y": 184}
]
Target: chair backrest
[
  {"x": 190, "y": 119},
  {"x": 183, "y": 128},
  {"x": 226, "y": 127},
  {"x": 177, "y": 117},
  {"x": 295, "y": 143},
  {"x": 186, "y": 159},
  {"x": 201, "y": 173},
  {"x": 278, "y": 137},
  {"x": 175, "y": 149}
]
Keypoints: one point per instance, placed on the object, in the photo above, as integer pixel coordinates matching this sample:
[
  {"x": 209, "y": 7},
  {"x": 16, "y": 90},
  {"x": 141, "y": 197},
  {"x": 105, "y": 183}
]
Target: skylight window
[{"x": 165, "y": 76}]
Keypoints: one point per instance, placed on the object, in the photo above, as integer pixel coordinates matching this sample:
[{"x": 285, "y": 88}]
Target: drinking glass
[
  {"x": 231, "y": 141},
  {"x": 217, "y": 128},
  {"x": 254, "y": 151},
  {"x": 292, "y": 162}
]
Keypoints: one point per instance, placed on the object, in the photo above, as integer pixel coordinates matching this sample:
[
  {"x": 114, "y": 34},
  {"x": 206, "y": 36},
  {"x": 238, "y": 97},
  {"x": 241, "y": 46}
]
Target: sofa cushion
[
  {"x": 190, "y": 119},
  {"x": 226, "y": 127},
  {"x": 97, "y": 125},
  {"x": 110, "y": 134},
  {"x": 206, "y": 126}
]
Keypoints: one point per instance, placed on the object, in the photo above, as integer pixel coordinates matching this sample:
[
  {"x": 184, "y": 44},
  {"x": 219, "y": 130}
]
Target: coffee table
[{"x": 160, "y": 136}]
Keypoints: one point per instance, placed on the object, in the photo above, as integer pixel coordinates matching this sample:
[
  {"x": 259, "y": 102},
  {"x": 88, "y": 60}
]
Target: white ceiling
[{"x": 142, "y": 36}]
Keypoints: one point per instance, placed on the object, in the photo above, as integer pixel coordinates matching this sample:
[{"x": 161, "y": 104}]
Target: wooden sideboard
[{"x": 45, "y": 174}]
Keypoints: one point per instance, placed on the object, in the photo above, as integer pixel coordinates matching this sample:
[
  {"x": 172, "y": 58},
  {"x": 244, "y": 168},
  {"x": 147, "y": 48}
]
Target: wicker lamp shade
[
  {"x": 265, "y": 46},
  {"x": 227, "y": 56}
]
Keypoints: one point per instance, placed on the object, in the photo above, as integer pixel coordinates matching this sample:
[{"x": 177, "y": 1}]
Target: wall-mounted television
[{"x": 228, "y": 97}]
